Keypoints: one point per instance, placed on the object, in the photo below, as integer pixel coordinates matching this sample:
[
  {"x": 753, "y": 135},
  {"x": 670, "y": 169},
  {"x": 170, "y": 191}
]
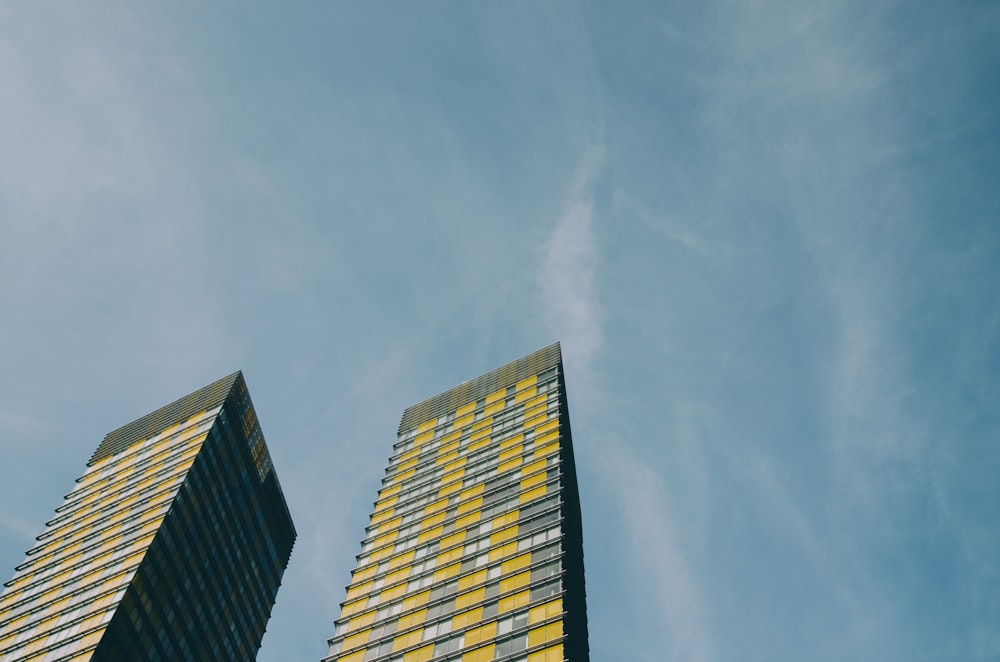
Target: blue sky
[{"x": 765, "y": 232}]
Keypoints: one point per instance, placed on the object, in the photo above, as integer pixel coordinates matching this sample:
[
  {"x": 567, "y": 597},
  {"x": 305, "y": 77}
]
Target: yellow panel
[
  {"x": 512, "y": 441},
  {"x": 503, "y": 535},
  {"x": 550, "y": 654},
  {"x": 513, "y": 602},
  {"x": 397, "y": 576},
  {"x": 545, "y": 611},
  {"x": 385, "y": 503},
  {"x": 430, "y": 535},
  {"x": 112, "y": 583},
  {"x": 481, "y": 633},
  {"x": 537, "y": 465},
  {"x": 496, "y": 396},
  {"x": 392, "y": 524},
  {"x": 533, "y": 494},
  {"x": 391, "y": 593},
  {"x": 421, "y": 439},
  {"x": 384, "y": 539},
  {"x": 355, "y": 640},
  {"x": 466, "y": 520},
  {"x": 472, "y": 504},
  {"x": 465, "y": 409},
  {"x": 457, "y": 464},
  {"x": 352, "y": 608},
  {"x": 539, "y": 399},
  {"x": 58, "y": 605},
  {"x": 482, "y": 443},
  {"x": 403, "y": 475},
  {"x": 89, "y": 578},
  {"x": 454, "y": 475},
  {"x": 533, "y": 480},
  {"x": 412, "y": 453},
  {"x": 501, "y": 521},
  {"x": 478, "y": 426},
  {"x": 545, "y": 451},
  {"x": 422, "y": 654},
  {"x": 91, "y": 622},
  {"x": 32, "y": 647},
  {"x": 361, "y": 621},
  {"x": 467, "y": 618},
  {"x": 470, "y": 598},
  {"x": 380, "y": 554},
  {"x": 536, "y": 416},
  {"x": 448, "y": 457},
  {"x": 481, "y": 433},
  {"x": 416, "y": 600},
  {"x": 61, "y": 577},
  {"x": 380, "y": 516},
  {"x": 494, "y": 408},
  {"x": 353, "y": 657},
  {"x": 447, "y": 572},
  {"x": 544, "y": 634},
  {"x": 546, "y": 438},
  {"x": 402, "y": 559},
  {"x": 361, "y": 575},
  {"x": 48, "y": 623},
  {"x": 450, "y": 489},
  {"x": 426, "y": 425},
  {"x": 525, "y": 394},
  {"x": 513, "y": 583},
  {"x": 517, "y": 563},
  {"x": 509, "y": 464},
  {"x": 498, "y": 553},
  {"x": 13, "y": 625},
  {"x": 509, "y": 453},
  {"x": 387, "y": 492},
  {"x": 434, "y": 507},
  {"x": 484, "y": 654},
  {"x": 464, "y": 420},
  {"x": 526, "y": 382},
  {"x": 449, "y": 556},
  {"x": 453, "y": 539},
  {"x": 416, "y": 618},
  {"x": 472, "y": 580},
  {"x": 551, "y": 425},
  {"x": 133, "y": 559}
]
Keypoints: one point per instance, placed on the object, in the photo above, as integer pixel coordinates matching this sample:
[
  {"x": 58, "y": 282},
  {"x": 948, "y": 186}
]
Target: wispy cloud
[
  {"x": 567, "y": 275},
  {"x": 659, "y": 571},
  {"x": 99, "y": 216}
]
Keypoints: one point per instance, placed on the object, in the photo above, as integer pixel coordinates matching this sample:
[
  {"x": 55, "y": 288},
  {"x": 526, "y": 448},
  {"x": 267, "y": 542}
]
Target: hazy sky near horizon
[{"x": 766, "y": 233}]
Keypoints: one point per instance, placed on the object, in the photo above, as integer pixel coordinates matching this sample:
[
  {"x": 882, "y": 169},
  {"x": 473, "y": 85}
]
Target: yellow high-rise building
[
  {"x": 475, "y": 547},
  {"x": 171, "y": 546}
]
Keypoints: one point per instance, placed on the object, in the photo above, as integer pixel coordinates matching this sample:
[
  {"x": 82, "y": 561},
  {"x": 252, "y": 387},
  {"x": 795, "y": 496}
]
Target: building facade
[
  {"x": 171, "y": 546},
  {"x": 474, "y": 550}
]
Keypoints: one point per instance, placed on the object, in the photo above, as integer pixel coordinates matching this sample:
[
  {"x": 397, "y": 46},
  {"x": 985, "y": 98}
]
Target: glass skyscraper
[
  {"x": 474, "y": 551},
  {"x": 171, "y": 546}
]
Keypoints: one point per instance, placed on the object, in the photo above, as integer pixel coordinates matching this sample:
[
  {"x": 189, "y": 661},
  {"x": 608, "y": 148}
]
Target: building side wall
[
  {"x": 171, "y": 546},
  {"x": 209, "y": 581}
]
